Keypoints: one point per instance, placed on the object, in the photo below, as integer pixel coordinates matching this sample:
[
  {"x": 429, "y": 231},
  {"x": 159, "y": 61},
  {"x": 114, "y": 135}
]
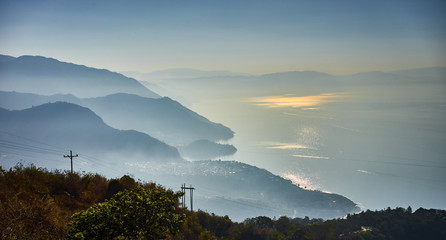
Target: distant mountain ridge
[
  {"x": 162, "y": 118},
  {"x": 295, "y": 82},
  {"x": 48, "y": 76},
  {"x": 5, "y": 58},
  {"x": 19, "y": 101},
  {"x": 181, "y": 73},
  {"x": 76, "y": 127}
]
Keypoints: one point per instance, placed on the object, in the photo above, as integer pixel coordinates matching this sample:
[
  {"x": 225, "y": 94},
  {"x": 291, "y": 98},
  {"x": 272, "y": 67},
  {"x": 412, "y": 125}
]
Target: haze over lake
[
  {"x": 344, "y": 97},
  {"x": 376, "y": 137}
]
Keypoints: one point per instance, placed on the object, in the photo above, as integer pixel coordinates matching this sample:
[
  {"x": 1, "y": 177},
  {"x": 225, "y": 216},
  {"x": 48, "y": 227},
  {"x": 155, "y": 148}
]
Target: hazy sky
[{"x": 255, "y": 37}]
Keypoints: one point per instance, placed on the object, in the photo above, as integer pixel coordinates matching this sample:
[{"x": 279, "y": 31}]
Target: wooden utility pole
[
  {"x": 71, "y": 156},
  {"x": 182, "y": 197},
  {"x": 183, "y": 189}
]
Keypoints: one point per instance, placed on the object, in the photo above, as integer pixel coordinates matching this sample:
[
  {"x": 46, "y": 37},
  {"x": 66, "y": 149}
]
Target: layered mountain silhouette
[
  {"x": 301, "y": 82},
  {"x": 72, "y": 126},
  {"x": 181, "y": 73},
  {"x": 54, "y": 124},
  {"x": 242, "y": 189},
  {"x": 35, "y": 74},
  {"x": 162, "y": 118},
  {"x": 127, "y": 103},
  {"x": 20, "y": 101}
]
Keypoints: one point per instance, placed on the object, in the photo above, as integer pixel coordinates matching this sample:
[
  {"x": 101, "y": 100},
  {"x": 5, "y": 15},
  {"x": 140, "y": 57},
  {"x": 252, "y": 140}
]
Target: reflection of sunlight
[
  {"x": 305, "y": 102},
  {"x": 364, "y": 171},
  {"x": 289, "y": 146},
  {"x": 289, "y": 114},
  {"x": 281, "y": 145},
  {"x": 308, "y": 156},
  {"x": 301, "y": 181},
  {"x": 309, "y": 136}
]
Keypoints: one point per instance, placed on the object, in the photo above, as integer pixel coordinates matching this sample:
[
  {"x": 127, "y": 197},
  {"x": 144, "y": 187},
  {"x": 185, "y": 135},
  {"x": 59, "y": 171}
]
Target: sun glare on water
[
  {"x": 301, "y": 181},
  {"x": 292, "y": 101},
  {"x": 282, "y": 145}
]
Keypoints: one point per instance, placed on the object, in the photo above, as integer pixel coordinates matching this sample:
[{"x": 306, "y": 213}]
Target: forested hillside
[{"x": 38, "y": 204}]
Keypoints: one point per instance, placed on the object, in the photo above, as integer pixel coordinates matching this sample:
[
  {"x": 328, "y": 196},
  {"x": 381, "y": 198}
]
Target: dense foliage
[
  {"x": 389, "y": 224},
  {"x": 141, "y": 213},
  {"x": 38, "y": 204}
]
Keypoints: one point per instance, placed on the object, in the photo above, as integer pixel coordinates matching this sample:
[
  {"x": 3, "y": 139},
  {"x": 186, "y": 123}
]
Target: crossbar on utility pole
[
  {"x": 183, "y": 189},
  {"x": 71, "y": 156}
]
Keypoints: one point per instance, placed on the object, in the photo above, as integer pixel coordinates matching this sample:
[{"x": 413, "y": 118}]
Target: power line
[
  {"x": 39, "y": 147},
  {"x": 32, "y": 140},
  {"x": 27, "y": 147},
  {"x": 98, "y": 163}
]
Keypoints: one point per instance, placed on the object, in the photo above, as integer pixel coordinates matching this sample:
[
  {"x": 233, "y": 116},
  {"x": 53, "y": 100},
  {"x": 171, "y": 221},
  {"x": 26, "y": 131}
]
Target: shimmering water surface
[{"x": 378, "y": 148}]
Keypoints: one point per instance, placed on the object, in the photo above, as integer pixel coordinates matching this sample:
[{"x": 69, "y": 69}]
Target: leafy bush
[{"x": 136, "y": 214}]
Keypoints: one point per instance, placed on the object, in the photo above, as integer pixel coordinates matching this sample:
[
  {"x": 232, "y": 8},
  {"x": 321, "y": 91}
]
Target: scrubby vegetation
[
  {"x": 39, "y": 204},
  {"x": 141, "y": 213}
]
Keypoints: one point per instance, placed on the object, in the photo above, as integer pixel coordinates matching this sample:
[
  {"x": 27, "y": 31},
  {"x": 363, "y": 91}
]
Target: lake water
[{"x": 377, "y": 147}]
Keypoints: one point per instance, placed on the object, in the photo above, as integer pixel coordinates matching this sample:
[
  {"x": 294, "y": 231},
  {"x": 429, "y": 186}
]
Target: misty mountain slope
[
  {"x": 4, "y": 58},
  {"x": 241, "y": 190},
  {"x": 323, "y": 80},
  {"x": 178, "y": 83},
  {"x": 238, "y": 85},
  {"x": 438, "y": 74},
  {"x": 418, "y": 76},
  {"x": 298, "y": 78},
  {"x": 35, "y": 74},
  {"x": 162, "y": 118},
  {"x": 78, "y": 128},
  {"x": 19, "y": 101},
  {"x": 303, "y": 83},
  {"x": 204, "y": 149},
  {"x": 181, "y": 73}
]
